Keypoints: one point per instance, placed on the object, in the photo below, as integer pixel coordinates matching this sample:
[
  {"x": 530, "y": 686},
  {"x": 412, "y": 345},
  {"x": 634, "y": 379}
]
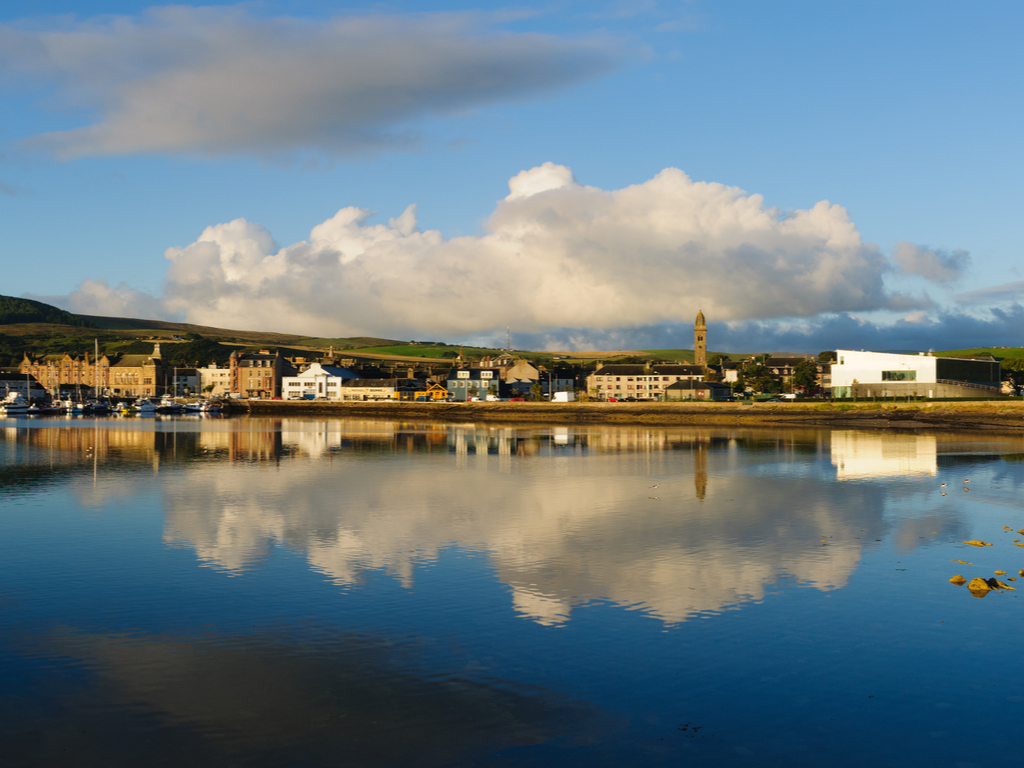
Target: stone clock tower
[{"x": 700, "y": 340}]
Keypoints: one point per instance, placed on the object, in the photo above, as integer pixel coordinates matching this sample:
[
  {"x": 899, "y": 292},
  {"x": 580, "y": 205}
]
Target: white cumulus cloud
[
  {"x": 219, "y": 81},
  {"x": 554, "y": 254}
]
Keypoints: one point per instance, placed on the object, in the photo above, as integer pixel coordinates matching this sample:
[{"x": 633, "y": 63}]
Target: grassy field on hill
[
  {"x": 435, "y": 351},
  {"x": 999, "y": 353},
  {"x": 346, "y": 343}
]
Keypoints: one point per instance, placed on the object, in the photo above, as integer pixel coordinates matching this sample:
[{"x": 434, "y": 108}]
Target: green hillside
[{"x": 14, "y": 310}]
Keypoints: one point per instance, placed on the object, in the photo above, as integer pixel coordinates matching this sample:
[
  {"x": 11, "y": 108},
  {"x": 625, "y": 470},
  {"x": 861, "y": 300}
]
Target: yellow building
[{"x": 127, "y": 375}]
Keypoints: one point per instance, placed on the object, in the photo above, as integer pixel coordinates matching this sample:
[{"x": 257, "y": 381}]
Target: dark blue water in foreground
[{"x": 260, "y": 592}]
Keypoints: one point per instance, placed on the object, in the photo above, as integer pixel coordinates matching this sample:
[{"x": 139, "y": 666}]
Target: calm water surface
[{"x": 302, "y": 592}]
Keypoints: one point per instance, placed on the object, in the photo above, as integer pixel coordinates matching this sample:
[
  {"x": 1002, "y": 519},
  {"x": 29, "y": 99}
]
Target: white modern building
[
  {"x": 882, "y": 374},
  {"x": 317, "y": 382}
]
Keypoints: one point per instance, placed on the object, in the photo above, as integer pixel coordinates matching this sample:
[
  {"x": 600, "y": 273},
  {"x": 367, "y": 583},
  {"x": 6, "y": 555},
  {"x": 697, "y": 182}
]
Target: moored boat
[
  {"x": 145, "y": 407},
  {"x": 168, "y": 405},
  {"x": 14, "y": 405}
]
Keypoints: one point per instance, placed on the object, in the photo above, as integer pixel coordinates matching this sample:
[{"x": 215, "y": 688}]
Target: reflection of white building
[
  {"x": 880, "y": 374},
  {"x": 864, "y": 455}
]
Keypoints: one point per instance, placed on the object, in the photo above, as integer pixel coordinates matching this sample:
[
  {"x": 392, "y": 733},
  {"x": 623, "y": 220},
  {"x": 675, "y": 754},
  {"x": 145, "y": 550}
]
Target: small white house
[
  {"x": 318, "y": 382},
  {"x": 882, "y": 374}
]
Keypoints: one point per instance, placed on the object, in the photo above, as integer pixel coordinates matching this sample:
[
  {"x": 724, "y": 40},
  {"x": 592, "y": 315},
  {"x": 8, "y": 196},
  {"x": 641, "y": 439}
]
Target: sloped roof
[
  {"x": 136, "y": 361},
  {"x": 691, "y": 384},
  {"x": 474, "y": 373},
  {"x": 667, "y": 369}
]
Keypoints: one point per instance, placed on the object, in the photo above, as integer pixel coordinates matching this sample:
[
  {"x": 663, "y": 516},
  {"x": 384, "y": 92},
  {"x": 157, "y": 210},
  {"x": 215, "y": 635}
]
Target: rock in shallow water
[{"x": 979, "y": 587}]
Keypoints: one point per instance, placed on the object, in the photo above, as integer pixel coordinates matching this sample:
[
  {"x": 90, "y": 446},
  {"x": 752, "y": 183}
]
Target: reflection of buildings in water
[
  {"x": 320, "y": 438},
  {"x": 863, "y": 455},
  {"x": 70, "y": 444},
  {"x": 559, "y": 532},
  {"x": 557, "y": 538}
]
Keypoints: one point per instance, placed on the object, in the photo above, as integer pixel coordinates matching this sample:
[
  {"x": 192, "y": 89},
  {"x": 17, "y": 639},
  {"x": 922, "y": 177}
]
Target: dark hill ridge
[
  {"x": 14, "y": 310},
  {"x": 27, "y": 317},
  {"x": 252, "y": 337},
  {"x": 140, "y": 324}
]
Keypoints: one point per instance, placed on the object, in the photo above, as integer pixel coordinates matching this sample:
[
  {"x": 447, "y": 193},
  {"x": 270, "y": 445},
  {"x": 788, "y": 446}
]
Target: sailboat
[{"x": 97, "y": 405}]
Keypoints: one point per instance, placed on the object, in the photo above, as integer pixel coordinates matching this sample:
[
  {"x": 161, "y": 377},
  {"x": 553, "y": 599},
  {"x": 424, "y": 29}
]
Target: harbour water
[{"x": 328, "y": 592}]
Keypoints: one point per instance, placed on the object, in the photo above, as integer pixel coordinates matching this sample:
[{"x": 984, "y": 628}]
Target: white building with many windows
[
  {"x": 642, "y": 382},
  {"x": 317, "y": 382}
]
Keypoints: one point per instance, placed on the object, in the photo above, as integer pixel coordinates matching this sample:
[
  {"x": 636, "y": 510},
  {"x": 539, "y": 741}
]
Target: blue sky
[{"x": 252, "y": 166}]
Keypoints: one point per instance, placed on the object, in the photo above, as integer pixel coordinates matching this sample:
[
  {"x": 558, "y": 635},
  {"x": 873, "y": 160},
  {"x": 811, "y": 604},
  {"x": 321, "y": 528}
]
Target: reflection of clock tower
[
  {"x": 700, "y": 341},
  {"x": 700, "y": 470}
]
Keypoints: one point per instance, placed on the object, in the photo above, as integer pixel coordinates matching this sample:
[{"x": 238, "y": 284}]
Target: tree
[
  {"x": 760, "y": 378},
  {"x": 805, "y": 375},
  {"x": 712, "y": 375},
  {"x": 740, "y": 385},
  {"x": 826, "y": 357},
  {"x": 536, "y": 390},
  {"x": 473, "y": 391},
  {"x": 492, "y": 391},
  {"x": 1013, "y": 372},
  {"x": 718, "y": 360}
]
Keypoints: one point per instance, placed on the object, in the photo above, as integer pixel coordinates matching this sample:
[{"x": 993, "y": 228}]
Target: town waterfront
[{"x": 314, "y": 591}]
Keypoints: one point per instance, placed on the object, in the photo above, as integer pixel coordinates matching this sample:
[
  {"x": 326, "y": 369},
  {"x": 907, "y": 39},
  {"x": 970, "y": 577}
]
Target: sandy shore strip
[{"x": 999, "y": 415}]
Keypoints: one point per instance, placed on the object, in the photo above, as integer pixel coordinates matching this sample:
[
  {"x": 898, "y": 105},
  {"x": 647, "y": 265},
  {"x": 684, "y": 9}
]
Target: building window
[{"x": 899, "y": 375}]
